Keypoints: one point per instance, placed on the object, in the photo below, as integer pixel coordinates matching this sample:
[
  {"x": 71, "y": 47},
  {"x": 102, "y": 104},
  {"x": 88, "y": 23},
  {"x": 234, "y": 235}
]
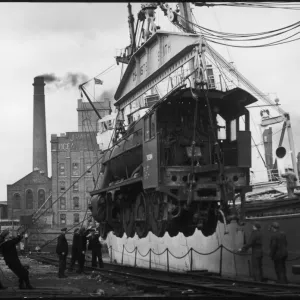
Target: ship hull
[{"x": 207, "y": 253}]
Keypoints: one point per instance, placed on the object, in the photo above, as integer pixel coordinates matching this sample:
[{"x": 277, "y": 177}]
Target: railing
[{"x": 190, "y": 252}]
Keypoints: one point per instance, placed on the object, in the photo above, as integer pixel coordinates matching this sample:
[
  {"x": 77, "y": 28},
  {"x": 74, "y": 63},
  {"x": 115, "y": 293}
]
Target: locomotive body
[{"x": 177, "y": 167}]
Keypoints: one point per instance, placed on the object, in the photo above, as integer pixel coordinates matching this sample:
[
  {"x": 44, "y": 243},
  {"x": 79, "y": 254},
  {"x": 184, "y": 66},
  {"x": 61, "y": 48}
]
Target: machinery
[{"x": 178, "y": 158}]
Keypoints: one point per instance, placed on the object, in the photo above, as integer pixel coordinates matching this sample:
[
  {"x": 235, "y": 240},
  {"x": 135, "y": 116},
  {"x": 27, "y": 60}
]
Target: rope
[{"x": 209, "y": 252}]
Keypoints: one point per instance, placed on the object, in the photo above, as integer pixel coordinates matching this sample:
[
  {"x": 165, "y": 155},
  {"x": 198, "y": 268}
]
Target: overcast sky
[{"x": 38, "y": 38}]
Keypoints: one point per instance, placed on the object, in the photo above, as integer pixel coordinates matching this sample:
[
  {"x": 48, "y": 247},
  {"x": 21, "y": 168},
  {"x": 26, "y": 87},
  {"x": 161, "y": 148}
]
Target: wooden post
[
  {"x": 221, "y": 259},
  {"x": 123, "y": 254},
  {"x": 135, "y": 256},
  {"x": 111, "y": 254},
  {"x": 168, "y": 267},
  {"x": 191, "y": 264},
  {"x": 150, "y": 258}
]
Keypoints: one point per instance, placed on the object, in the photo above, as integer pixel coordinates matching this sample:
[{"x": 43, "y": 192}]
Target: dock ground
[{"x": 44, "y": 279}]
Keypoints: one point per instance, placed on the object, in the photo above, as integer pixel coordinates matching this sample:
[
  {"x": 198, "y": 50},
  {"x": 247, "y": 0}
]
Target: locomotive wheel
[
  {"x": 128, "y": 219},
  {"x": 141, "y": 215},
  {"x": 158, "y": 224},
  {"x": 103, "y": 229}
]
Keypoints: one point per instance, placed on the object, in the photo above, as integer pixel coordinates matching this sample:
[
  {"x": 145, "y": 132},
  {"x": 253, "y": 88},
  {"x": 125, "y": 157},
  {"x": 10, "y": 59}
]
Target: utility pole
[{"x": 185, "y": 12}]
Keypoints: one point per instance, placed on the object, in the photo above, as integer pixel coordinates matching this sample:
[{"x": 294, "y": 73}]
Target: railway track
[{"x": 185, "y": 284}]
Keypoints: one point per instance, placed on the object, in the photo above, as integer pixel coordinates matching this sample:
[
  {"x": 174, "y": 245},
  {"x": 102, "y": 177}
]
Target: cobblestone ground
[{"x": 44, "y": 278}]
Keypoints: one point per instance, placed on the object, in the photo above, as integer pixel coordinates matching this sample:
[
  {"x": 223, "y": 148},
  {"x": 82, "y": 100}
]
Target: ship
[{"x": 175, "y": 190}]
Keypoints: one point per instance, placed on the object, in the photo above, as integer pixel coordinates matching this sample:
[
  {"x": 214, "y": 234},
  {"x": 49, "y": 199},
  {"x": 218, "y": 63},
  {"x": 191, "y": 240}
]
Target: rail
[{"x": 189, "y": 252}]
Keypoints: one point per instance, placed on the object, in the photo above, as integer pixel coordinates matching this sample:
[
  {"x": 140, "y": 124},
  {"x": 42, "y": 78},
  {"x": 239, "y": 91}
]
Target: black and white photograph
[{"x": 149, "y": 149}]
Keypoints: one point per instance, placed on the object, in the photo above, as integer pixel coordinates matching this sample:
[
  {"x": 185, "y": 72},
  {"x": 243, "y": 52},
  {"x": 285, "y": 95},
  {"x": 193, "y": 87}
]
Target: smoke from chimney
[{"x": 67, "y": 81}]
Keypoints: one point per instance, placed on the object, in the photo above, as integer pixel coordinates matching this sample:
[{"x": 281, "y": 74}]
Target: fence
[{"x": 190, "y": 252}]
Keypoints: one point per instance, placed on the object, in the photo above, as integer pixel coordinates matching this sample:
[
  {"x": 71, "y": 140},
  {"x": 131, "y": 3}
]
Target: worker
[
  {"x": 11, "y": 258},
  {"x": 255, "y": 243},
  {"x": 82, "y": 248},
  {"x": 75, "y": 249},
  {"x": 278, "y": 252},
  {"x": 96, "y": 247},
  {"x": 62, "y": 252},
  {"x": 291, "y": 181}
]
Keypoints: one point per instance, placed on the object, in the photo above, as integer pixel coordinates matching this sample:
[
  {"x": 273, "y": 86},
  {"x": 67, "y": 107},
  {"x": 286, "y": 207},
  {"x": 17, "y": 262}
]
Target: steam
[{"x": 67, "y": 81}]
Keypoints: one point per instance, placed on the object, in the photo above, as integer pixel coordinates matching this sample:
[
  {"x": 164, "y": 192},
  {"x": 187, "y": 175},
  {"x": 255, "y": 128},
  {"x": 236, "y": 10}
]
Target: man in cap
[
  {"x": 62, "y": 252},
  {"x": 75, "y": 248},
  {"x": 10, "y": 255},
  {"x": 95, "y": 246},
  {"x": 278, "y": 252},
  {"x": 255, "y": 243},
  {"x": 291, "y": 181}
]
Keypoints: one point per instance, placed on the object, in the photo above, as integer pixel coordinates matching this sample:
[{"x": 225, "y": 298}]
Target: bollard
[
  {"x": 221, "y": 259},
  {"x": 191, "y": 265},
  {"x": 135, "y": 256},
  {"x": 168, "y": 267},
  {"x": 123, "y": 254},
  {"x": 150, "y": 258},
  {"x": 111, "y": 254}
]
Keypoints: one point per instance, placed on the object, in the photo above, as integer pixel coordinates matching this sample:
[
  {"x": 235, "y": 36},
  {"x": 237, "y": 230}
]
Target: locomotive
[{"x": 179, "y": 166}]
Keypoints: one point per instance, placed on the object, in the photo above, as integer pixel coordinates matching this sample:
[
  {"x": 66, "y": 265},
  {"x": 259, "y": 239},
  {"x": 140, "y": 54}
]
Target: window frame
[
  {"x": 26, "y": 199},
  {"x": 62, "y": 217}
]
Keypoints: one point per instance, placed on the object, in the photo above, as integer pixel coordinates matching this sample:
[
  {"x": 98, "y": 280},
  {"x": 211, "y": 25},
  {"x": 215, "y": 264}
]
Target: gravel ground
[{"x": 44, "y": 279}]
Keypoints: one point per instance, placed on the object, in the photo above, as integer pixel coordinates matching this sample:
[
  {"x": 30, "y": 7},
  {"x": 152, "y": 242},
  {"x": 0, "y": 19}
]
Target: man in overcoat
[
  {"x": 96, "y": 247},
  {"x": 62, "y": 252},
  {"x": 11, "y": 258},
  {"x": 278, "y": 252},
  {"x": 255, "y": 243},
  {"x": 75, "y": 249}
]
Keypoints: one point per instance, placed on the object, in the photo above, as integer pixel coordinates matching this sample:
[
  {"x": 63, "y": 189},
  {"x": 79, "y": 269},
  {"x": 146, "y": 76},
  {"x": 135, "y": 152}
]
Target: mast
[
  {"x": 185, "y": 12},
  {"x": 132, "y": 46}
]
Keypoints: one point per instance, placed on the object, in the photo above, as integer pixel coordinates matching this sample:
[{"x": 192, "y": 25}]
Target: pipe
[{"x": 224, "y": 220}]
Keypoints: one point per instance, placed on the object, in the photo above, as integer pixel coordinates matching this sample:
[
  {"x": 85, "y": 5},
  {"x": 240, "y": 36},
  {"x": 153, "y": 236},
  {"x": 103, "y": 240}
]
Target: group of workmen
[
  {"x": 81, "y": 236},
  {"x": 79, "y": 246},
  {"x": 278, "y": 251}
]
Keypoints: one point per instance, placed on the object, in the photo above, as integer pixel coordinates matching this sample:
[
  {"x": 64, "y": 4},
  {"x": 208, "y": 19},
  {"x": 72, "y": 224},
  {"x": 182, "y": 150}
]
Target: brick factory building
[
  {"x": 28, "y": 194},
  {"x": 72, "y": 155}
]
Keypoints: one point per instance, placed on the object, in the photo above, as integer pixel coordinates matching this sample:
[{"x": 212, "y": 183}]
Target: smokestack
[{"x": 39, "y": 126}]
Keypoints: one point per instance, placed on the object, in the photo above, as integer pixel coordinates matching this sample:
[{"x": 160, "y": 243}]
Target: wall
[{"x": 72, "y": 149}]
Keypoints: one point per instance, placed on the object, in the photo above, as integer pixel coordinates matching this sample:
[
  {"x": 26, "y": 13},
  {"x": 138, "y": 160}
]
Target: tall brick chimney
[{"x": 39, "y": 127}]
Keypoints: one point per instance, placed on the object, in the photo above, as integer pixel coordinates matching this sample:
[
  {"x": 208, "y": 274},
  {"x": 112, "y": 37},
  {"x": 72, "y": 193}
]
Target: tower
[{"x": 39, "y": 126}]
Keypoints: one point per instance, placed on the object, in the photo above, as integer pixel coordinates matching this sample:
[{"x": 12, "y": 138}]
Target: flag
[{"x": 98, "y": 81}]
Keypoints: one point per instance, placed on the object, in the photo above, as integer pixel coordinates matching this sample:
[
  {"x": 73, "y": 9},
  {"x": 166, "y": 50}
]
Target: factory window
[
  {"x": 49, "y": 203},
  {"x": 152, "y": 125},
  {"x": 62, "y": 203},
  {"x": 86, "y": 123},
  {"x": 75, "y": 169},
  {"x": 89, "y": 171},
  {"x": 16, "y": 201},
  {"x": 146, "y": 129},
  {"x": 75, "y": 202},
  {"x": 88, "y": 200},
  {"x": 89, "y": 186},
  {"x": 41, "y": 197},
  {"x": 29, "y": 199},
  {"x": 75, "y": 186},
  {"x": 61, "y": 169},
  {"x": 62, "y": 219},
  {"x": 76, "y": 218},
  {"x": 62, "y": 185}
]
